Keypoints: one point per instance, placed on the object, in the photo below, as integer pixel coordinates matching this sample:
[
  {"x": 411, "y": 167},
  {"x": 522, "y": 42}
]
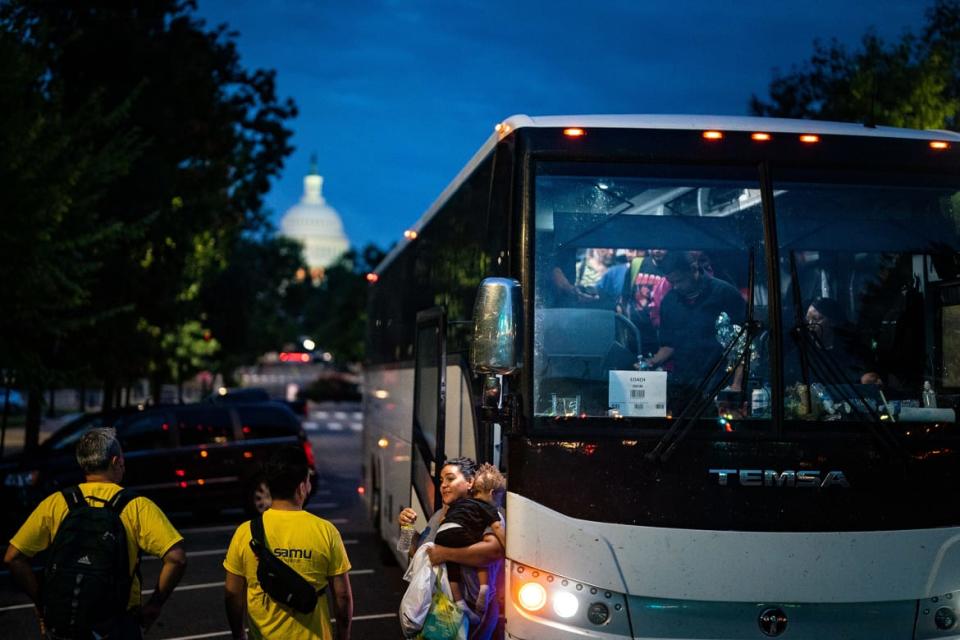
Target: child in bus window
[{"x": 464, "y": 524}]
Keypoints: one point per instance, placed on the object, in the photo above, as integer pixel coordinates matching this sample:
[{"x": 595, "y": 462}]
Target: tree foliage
[
  {"x": 135, "y": 151},
  {"x": 335, "y": 313},
  {"x": 913, "y": 82}
]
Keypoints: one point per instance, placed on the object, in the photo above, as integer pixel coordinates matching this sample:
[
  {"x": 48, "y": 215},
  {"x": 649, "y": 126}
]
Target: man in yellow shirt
[
  {"x": 310, "y": 545},
  {"x": 147, "y": 528}
]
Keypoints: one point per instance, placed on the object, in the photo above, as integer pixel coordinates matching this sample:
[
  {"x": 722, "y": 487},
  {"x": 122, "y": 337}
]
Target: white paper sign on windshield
[{"x": 640, "y": 394}]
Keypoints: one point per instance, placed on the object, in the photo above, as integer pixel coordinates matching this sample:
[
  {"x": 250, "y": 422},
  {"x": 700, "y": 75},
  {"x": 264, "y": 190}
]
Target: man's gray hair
[{"x": 97, "y": 448}]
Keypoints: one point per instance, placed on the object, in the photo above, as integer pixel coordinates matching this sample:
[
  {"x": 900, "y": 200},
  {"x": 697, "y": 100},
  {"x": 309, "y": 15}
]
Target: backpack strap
[
  {"x": 118, "y": 503},
  {"x": 120, "y": 500},
  {"x": 258, "y": 536},
  {"x": 258, "y": 542},
  {"x": 74, "y": 497}
]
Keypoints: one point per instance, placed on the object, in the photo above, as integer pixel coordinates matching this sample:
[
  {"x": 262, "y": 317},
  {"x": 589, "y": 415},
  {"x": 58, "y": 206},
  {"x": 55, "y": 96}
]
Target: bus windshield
[{"x": 652, "y": 296}]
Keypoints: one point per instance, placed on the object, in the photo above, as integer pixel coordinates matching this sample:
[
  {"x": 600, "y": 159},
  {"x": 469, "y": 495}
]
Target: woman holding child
[{"x": 467, "y": 493}]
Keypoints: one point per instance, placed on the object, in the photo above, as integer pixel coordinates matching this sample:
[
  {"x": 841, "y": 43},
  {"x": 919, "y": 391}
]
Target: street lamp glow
[{"x": 309, "y": 344}]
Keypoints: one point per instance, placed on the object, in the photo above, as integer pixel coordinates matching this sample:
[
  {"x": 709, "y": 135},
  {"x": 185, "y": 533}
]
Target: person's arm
[
  {"x": 19, "y": 565},
  {"x": 662, "y": 355},
  {"x": 479, "y": 554},
  {"x": 498, "y": 531},
  {"x": 174, "y": 564},
  {"x": 342, "y": 604},
  {"x": 235, "y": 601}
]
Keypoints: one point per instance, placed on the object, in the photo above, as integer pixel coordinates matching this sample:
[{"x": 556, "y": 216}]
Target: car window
[
  {"x": 145, "y": 431},
  {"x": 267, "y": 422},
  {"x": 67, "y": 437},
  {"x": 207, "y": 426}
]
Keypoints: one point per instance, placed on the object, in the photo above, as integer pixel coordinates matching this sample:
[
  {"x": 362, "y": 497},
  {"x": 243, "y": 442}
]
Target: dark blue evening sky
[{"x": 396, "y": 96}]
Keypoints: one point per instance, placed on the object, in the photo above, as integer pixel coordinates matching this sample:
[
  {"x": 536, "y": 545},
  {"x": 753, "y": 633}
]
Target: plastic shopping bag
[
  {"x": 418, "y": 597},
  {"x": 445, "y": 619}
]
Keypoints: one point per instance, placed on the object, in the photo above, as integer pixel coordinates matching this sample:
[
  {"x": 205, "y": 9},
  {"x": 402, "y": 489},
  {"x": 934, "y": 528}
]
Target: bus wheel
[{"x": 258, "y": 497}]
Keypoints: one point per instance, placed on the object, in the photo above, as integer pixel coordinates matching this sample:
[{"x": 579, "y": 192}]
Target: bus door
[{"x": 429, "y": 407}]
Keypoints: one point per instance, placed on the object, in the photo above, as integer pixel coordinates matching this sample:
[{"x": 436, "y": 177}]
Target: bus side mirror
[{"x": 497, "y": 327}]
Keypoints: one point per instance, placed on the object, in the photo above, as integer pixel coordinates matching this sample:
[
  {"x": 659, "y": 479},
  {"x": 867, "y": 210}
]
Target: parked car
[
  {"x": 199, "y": 457},
  {"x": 256, "y": 394}
]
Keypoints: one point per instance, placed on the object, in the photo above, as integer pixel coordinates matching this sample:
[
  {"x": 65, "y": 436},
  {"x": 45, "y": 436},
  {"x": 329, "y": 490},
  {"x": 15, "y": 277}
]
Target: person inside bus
[
  {"x": 688, "y": 344},
  {"x": 457, "y": 478},
  {"x": 641, "y": 301},
  {"x": 562, "y": 290},
  {"x": 591, "y": 267},
  {"x": 834, "y": 350},
  {"x": 613, "y": 284}
]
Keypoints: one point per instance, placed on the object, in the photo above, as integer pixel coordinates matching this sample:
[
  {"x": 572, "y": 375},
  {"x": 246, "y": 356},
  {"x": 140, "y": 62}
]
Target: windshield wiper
[{"x": 670, "y": 440}]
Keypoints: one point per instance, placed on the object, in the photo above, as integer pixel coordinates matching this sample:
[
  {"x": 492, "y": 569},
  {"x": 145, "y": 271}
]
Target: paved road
[{"x": 196, "y": 609}]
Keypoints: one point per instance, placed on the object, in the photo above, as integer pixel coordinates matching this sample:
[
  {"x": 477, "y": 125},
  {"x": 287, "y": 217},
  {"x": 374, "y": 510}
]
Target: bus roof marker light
[
  {"x": 760, "y": 136},
  {"x": 372, "y": 277},
  {"x": 939, "y": 145},
  {"x": 410, "y": 234},
  {"x": 574, "y": 132},
  {"x": 809, "y": 138},
  {"x": 532, "y": 596},
  {"x": 713, "y": 135}
]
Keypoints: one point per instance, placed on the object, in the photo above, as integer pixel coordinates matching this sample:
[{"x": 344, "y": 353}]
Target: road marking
[
  {"x": 225, "y": 527},
  {"x": 310, "y": 425},
  {"x": 356, "y": 426},
  {"x": 335, "y": 426},
  {"x": 217, "y": 634},
  {"x": 188, "y": 587},
  {"x": 219, "y": 583}
]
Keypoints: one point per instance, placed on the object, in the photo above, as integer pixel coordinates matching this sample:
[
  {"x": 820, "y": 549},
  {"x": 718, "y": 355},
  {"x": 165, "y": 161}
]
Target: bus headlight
[
  {"x": 532, "y": 596},
  {"x": 545, "y": 598},
  {"x": 565, "y": 604}
]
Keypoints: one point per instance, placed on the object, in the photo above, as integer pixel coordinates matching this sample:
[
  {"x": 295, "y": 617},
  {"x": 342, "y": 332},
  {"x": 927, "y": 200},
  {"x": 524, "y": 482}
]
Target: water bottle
[
  {"x": 929, "y": 395},
  {"x": 760, "y": 402},
  {"x": 406, "y": 538}
]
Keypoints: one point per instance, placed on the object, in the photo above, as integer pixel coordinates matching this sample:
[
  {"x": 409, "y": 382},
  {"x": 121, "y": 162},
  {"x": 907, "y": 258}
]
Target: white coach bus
[{"x": 718, "y": 359}]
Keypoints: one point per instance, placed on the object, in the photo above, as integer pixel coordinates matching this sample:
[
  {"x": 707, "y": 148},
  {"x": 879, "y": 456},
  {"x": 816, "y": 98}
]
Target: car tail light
[{"x": 308, "y": 450}]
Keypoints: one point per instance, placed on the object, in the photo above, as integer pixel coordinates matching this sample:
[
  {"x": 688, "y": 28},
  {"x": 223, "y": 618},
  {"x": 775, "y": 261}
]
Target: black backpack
[
  {"x": 86, "y": 582},
  {"x": 279, "y": 580}
]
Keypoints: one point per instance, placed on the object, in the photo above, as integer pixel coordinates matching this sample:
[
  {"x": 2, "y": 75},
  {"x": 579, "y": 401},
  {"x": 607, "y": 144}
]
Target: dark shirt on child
[{"x": 473, "y": 516}]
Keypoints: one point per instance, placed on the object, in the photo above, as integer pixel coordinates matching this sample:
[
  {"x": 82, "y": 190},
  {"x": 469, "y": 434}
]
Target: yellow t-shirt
[
  {"x": 147, "y": 527},
  {"x": 312, "y": 546}
]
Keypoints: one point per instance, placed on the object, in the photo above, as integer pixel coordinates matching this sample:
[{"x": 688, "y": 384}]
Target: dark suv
[{"x": 198, "y": 457}]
